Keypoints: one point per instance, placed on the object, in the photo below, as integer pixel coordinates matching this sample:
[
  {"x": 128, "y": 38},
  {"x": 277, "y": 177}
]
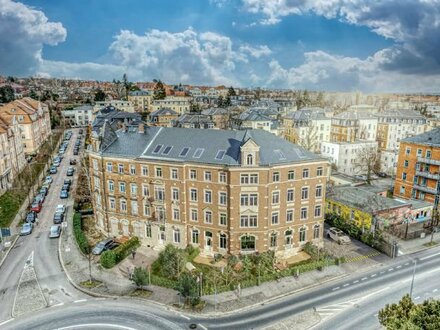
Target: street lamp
[{"x": 412, "y": 280}]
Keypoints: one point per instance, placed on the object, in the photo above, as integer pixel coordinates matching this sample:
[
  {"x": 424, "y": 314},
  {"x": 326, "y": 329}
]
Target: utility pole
[{"x": 412, "y": 281}]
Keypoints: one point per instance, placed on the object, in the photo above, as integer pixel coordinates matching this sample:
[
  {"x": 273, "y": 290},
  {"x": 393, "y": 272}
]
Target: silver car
[
  {"x": 55, "y": 231},
  {"x": 26, "y": 229}
]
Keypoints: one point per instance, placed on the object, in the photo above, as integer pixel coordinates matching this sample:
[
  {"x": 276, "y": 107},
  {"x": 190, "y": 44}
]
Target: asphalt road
[
  {"x": 343, "y": 304},
  {"x": 47, "y": 267}
]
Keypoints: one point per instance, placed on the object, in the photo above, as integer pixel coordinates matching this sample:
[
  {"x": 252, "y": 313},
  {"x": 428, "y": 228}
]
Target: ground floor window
[
  {"x": 148, "y": 229},
  {"x": 223, "y": 241},
  {"x": 247, "y": 243},
  {"x": 176, "y": 236},
  {"x": 273, "y": 240},
  {"x": 316, "y": 231},
  {"x": 302, "y": 234},
  {"x": 195, "y": 237},
  {"x": 289, "y": 239}
]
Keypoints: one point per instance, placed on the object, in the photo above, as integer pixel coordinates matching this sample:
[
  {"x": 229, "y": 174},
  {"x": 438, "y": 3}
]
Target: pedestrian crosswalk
[
  {"x": 362, "y": 257},
  {"x": 327, "y": 311}
]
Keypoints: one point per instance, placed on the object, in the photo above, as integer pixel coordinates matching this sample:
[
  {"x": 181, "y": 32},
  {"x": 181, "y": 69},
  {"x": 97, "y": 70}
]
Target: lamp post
[{"x": 412, "y": 280}]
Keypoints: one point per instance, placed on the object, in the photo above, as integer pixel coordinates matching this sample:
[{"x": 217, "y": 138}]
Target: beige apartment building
[
  {"x": 179, "y": 104},
  {"x": 33, "y": 120},
  {"x": 142, "y": 100},
  {"x": 227, "y": 192}
]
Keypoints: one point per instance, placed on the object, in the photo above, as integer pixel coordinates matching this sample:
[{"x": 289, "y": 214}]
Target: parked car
[
  {"x": 40, "y": 198},
  {"x": 70, "y": 171},
  {"x": 102, "y": 246},
  {"x": 36, "y": 206},
  {"x": 338, "y": 235},
  {"x": 66, "y": 187},
  {"x": 44, "y": 190},
  {"x": 72, "y": 161},
  {"x": 61, "y": 208},
  {"x": 46, "y": 185},
  {"x": 53, "y": 170},
  {"x": 382, "y": 174},
  {"x": 361, "y": 177},
  {"x": 68, "y": 181},
  {"x": 75, "y": 151},
  {"x": 58, "y": 217},
  {"x": 56, "y": 163},
  {"x": 64, "y": 194},
  {"x": 31, "y": 217},
  {"x": 112, "y": 246},
  {"x": 48, "y": 179},
  {"x": 55, "y": 231},
  {"x": 81, "y": 131},
  {"x": 26, "y": 229}
]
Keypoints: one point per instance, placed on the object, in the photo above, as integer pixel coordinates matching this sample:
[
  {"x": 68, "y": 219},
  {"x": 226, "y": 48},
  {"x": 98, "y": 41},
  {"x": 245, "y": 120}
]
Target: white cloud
[
  {"x": 256, "y": 51},
  {"x": 23, "y": 32}
]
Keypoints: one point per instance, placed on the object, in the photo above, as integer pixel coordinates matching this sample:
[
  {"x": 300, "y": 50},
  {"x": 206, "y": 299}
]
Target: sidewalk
[{"x": 416, "y": 244}]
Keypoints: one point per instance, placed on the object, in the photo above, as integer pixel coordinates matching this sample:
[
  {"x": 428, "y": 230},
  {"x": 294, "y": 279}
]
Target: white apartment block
[
  {"x": 121, "y": 105},
  {"x": 345, "y": 155},
  {"x": 179, "y": 104},
  {"x": 79, "y": 116}
]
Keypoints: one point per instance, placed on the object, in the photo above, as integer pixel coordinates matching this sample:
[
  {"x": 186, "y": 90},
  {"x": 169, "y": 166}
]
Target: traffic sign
[{"x": 6, "y": 232}]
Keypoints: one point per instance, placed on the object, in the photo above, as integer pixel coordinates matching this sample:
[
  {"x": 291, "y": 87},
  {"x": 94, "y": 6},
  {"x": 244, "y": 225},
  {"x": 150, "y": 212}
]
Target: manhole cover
[{"x": 193, "y": 326}]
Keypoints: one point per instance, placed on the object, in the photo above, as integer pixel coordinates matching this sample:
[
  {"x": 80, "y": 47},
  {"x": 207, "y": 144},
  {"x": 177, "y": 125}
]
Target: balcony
[
  {"x": 425, "y": 189},
  {"x": 425, "y": 174},
  {"x": 428, "y": 161}
]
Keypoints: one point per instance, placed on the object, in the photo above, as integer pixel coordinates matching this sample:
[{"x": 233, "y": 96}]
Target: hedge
[
  {"x": 111, "y": 258},
  {"x": 162, "y": 281},
  {"x": 81, "y": 239}
]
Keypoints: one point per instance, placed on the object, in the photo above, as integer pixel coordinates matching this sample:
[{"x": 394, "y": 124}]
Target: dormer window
[{"x": 250, "y": 159}]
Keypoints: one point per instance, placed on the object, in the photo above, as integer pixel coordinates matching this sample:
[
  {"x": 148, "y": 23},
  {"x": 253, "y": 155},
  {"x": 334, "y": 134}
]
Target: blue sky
[{"x": 337, "y": 45}]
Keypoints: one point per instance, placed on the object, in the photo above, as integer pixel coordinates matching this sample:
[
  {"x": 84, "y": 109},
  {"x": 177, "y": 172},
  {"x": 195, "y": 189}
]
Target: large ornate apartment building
[{"x": 227, "y": 192}]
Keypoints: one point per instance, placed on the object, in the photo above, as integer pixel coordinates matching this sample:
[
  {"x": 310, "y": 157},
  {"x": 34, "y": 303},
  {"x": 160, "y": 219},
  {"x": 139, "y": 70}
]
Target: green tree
[
  {"x": 99, "y": 95},
  {"x": 231, "y": 91},
  {"x": 396, "y": 316},
  {"x": 227, "y": 102},
  {"x": 220, "y": 101},
  {"x": 194, "y": 107},
  {"x": 127, "y": 85},
  {"x": 140, "y": 277},
  {"x": 159, "y": 91},
  {"x": 6, "y": 94},
  {"x": 172, "y": 262},
  {"x": 33, "y": 95},
  {"x": 188, "y": 287}
]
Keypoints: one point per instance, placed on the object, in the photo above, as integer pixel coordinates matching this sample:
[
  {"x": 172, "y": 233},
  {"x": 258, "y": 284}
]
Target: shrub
[
  {"x": 140, "y": 276},
  {"x": 172, "y": 262},
  {"x": 162, "y": 281},
  {"x": 123, "y": 250},
  {"x": 188, "y": 288},
  {"x": 191, "y": 252},
  {"x": 108, "y": 259},
  {"x": 81, "y": 239}
]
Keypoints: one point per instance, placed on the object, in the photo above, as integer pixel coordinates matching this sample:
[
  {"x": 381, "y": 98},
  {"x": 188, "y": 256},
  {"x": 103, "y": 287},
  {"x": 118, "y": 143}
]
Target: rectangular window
[
  {"x": 157, "y": 149},
  {"x": 111, "y": 186},
  {"x": 249, "y": 199},
  {"x": 276, "y": 177},
  {"x": 195, "y": 237},
  {"x": 244, "y": 178},
  {"x": 208, "y": 196},
  {"x": 222, "y": 197},
  {"x": 193, "y": 195},
  {"x": 175, "y": 194},
  {"x": 111, "y": 202},
  {"x": 319, "y": 171},
  {"x": 275, "y": 218},
  {"x": 222, "y": 219},
  {"x": 428, "y": 154},
  {"x": 148, "y": 230},
  {"x": 184, "y": 152},
  {"x": 208, "y": 176},
  {"x": 304, "y": 193},
  {"x": 290, "y": 195},
  {"x": 176, "y": 214},
  {"x": 289, "y": 215},
  {"x": 167, "y": 150},
  {"x": 158, "y": 172},
  {"x": 223, "y": 241},
  {"x": 247, "y": 221},
  {"x": 174, "y": 174},
  {"x": 276, "y": 197},
  {"x": 194, "y": 215},
  {"x": 405, "y": 163},
  {"x": 317, "y": 211},
  {"x": 222, "y": 177},
  {"x": 121, "y": 168},
  {"x": 176, "y": 236},
  {"x": 193, "y": 174},
  {"x": 419, "y": 152},
  {"x": 305, "y": 173},
  {"x": 95, "y": 164},
  {"x": 407, "y": 150},
  {"x": 253, "y": 178},
  {"x": 109, "y": 167},
  {"x": 134, "y": 208},
  {"x": 145, "y": 190},
  {"x": 147, "y": 210},
  {"x": 133, "y": 189},
  {"x": 122, "y": 187},
  {"x": 318, "y": 192},
  {"x": 159, "y": 193},
  {"x": 132, "y": 169},
  {"x": 303, "y": 213},
  {"x": 403, "y": 176},
  {"x": 144, "y": 170},
  {"x": 291, "y": 175},
  {"x": 123, "y": 205},
  {"x": 208, "y": 217}
]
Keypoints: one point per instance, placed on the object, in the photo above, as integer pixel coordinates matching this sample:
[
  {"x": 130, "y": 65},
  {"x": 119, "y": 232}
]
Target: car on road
[
  {"x": 64, "y": 194},
  {"x": 48, "y": 179},
  {"x": 338, "y": 235},
  {"x": 66, "y": 187},
  {"x": 58, "y": 217},
  {"x": 36, "y": 206},
  {"x": 40, "y": 198},
  {"x": 53, "y": 170},
  {"x": 26, "y": 229},
  {"x": 102, "y": 246},
  {"x": 75, "y": 152},
  {"x": 72, "y": 161},
  {"x": 70, "y": 171},
  {"x": 68, "y": 181},
  {"x": 61, "y": 208},
  {"x": 31, "y": 217},
  {"x": 81, "y": 131},
  {"x": 44, "y": 190},
  {"x": 55, "y": 231}
]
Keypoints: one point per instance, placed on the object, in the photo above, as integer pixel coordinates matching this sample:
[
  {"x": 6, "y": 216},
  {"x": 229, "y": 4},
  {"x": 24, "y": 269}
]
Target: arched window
[
  {"x": 223, "y": 241},
  {"x": 316, "y": 231},
  {"x": 247, "y": 243},
  {"x": 302, "y": 234},
  {"x": 273, "y": 240},
  {"x": 249, "y": 159},
  {"x": 288, "y": 237}
]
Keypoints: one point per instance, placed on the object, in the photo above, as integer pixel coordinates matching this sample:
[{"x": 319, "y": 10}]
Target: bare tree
[
  {"x": 309, "y": 140},
  {"x": 367, "y": 161}
]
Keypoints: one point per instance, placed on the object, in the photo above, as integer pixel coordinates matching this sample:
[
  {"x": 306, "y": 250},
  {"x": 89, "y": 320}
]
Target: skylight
[
  {"x": 184, "y": 152},
  {"x": 280, "y": 154},
  {"x": 167, "y": 150},
  {"x": 157, "y": 149},
  {"x": 220, "y": 154},
  {"x": 198, "y": 153}
]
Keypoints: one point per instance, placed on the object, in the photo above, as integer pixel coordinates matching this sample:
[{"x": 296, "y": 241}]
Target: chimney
[{"x": 141, "y": 128}]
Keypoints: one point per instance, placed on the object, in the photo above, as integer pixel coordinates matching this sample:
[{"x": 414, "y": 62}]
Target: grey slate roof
[
  {"x": 164, "y": 112},
  {"x": 114, "y": 117},
  {"x": 401, "y": 113},
  {"x": 188, "y": 118},
  {"x": 304, "y": 115},
  {"x": 362, "y": 199},
  {"x": 431, "y": 138},
  {"x": 214, "y": 111},
  {"x": 353, "y": 115},
  {"x": 273, "y": 150}
]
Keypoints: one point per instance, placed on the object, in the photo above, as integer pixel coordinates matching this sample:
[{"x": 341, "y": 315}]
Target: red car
[{"x": 36, "y": 207}]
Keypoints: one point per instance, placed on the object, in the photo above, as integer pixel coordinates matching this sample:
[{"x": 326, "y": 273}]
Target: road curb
[{"x": 10, "y": 248}]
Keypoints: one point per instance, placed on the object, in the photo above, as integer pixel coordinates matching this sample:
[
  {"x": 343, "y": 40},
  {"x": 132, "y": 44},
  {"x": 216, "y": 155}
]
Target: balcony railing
[
  {"x": 428, "y": 161},
  {"x": 429, "y": 175},
  {"x": 425, "y": 189}
]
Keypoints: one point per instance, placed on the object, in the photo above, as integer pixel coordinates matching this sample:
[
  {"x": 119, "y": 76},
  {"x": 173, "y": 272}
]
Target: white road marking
[
  {"x": 398, "y": 267},
  {"x": 337, "y": 288},
  {"x": 202, "y": 326},
  {"x": 184, "y": 316},
  {"x": 7, "y": 321},
  {"x": 325, "y": 314},
  {"x": 435, "y": 290},
  {"x": 60, "y": 304},
  {"x": 97, "y": 326},
  {"x": 431, "y": 256},
  {"x": 99, "y": 299},
  {"x": 407, "y": 263},
  {"x": 79, "y": 301},
  {"x": 357, "y": 281},
  {"x": 30, "y": 260},
  {"x": 363, "y": 278},
  {"x": 373, "y": 275},
  {"x": 382, "y": 272},
  {"x": 346, "y": 285},
  {"x": 390, "y": 269}
]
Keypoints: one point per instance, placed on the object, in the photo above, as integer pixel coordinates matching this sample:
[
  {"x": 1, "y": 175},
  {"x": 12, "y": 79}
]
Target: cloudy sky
[{"x": 335, "y": 45}]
